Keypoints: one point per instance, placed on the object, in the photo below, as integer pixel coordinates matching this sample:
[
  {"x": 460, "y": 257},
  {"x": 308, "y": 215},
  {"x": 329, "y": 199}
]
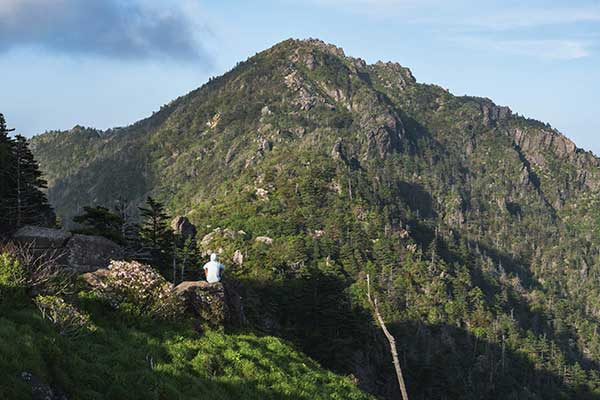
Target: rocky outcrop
[
  {"x": 536, "y": 140},
  {"x": 206, "y": 301},
  {"x": 43, "y": 238},
  {"x": 238, "y": 258},
  {"x": 184, "y": 228},
  {"x": 393, "y": 75},
  {"x": 264, "y": 239},
  {"x": 492, "y": 114},
  {"x": 541, "y": 147},
  {"x": 82, "y": 253},
  {"x": 215, "y": 303},
  {"x": 382, "y": 126},
  {"x": 338, "y": 152},
  {"x": 89, "y": 253}
]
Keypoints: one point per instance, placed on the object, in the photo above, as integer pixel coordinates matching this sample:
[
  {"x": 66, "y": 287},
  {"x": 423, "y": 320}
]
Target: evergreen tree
[
  {"x": 6, "y": 161},
  {"x": 28, "y": 200},
  {"x": 101, "y": 221},
  {"x": 156, "y": 234},
  {"x": 130, "y": 232},
  {"x": 22, "y": 200}
]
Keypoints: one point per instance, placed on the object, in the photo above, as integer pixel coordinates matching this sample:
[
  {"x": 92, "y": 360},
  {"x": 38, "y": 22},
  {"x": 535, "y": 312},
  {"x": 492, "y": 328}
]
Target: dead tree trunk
[{"x": 390, "y": 339}]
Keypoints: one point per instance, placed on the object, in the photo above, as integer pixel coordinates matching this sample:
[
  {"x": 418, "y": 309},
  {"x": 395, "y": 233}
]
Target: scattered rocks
[
  {"x": 264, "y": 239},
  {"x": 262, "y": 193},
  {"x": 218, "y": 232}
]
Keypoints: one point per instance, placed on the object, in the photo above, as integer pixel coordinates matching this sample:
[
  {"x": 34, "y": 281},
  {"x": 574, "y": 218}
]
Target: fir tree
[
  {"x": 101, "y": 221},
  {"x": 156, "y": 234},
  {"x": 29, "y": 201},
  {"x": 6, "y": 161},
  {"x": 22, "y": 200}
]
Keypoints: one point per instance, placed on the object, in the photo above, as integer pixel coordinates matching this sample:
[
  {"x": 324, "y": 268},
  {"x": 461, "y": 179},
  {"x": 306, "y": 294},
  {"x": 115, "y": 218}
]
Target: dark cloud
[{"x": 122, "y": 29}]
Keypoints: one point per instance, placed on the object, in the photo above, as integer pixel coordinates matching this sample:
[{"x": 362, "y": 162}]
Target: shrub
[
  {"x": 13, "y": 277},
  {"x": 140, "y": 290},
  {"x": 69, "y": 320},
  {"x": 43, "y": 271}
]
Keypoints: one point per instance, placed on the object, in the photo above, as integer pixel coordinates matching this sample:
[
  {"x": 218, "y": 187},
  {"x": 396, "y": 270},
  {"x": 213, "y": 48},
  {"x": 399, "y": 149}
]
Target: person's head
[{"x": 213, "y": 257}]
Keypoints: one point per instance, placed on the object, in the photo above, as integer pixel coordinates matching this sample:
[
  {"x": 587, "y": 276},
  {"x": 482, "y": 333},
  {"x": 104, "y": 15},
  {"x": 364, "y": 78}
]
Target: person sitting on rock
[{"x": 213, "y": 269}]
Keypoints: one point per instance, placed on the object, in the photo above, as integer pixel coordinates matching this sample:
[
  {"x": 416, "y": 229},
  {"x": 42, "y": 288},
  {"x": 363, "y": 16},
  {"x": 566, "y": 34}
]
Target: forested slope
[{"x": 479, "y": 227}]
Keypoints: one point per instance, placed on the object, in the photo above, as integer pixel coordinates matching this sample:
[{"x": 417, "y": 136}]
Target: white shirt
[{"x": 213, "y": 269}]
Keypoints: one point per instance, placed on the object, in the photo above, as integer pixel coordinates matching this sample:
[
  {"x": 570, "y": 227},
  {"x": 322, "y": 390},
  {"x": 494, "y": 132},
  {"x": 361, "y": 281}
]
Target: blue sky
[{"x": 107, "y": 63}]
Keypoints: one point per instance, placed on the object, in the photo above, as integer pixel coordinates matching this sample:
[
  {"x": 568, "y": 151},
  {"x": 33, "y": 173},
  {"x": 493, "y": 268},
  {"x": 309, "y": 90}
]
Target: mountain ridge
[{"x": 475, "y": 223}]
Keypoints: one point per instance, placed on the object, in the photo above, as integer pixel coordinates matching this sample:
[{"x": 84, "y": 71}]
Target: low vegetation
[{"x": 82, "y": 346}]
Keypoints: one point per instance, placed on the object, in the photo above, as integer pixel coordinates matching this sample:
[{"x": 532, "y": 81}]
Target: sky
[{"x": 109, "y": 63}]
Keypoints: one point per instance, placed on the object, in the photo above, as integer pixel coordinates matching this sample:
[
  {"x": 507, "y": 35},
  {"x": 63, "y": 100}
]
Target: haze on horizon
[{"x": 108, "y": 63}]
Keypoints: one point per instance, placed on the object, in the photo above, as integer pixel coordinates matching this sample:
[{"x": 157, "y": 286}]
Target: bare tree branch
[{"x": 390, "y": 339}]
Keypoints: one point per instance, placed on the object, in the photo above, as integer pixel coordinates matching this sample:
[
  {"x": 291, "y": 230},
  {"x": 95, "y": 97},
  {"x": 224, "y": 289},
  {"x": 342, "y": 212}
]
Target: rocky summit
[{"x": 477, "y": 227}]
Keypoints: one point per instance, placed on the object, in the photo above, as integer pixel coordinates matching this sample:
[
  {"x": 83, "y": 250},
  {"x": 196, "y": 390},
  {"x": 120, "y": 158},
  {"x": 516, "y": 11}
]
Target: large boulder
[
  {"x": 205, "y": 300},
  {"x": 42, "y": 238},
  {"x": 82, "y": 253},
  {"x": 183, "y": 227},
  {"x": 89, "y": 253}
]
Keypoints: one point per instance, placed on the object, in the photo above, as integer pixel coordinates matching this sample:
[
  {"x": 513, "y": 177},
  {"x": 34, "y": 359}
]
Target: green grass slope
[{"x": 126, "y": 359}]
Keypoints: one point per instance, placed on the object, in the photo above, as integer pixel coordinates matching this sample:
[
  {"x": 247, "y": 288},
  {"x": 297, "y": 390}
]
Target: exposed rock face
[
  {"x": 43, "y": 238},
  {"x": 183, "y": 227},
  {"x": 534, "y": 141},
  {"x": 492, "y": 114},
  {"x": 205, "y": 300},
  {"x": 238, "y": 257},
  {"x": 82, "y": 253},
  {"x": 394, "y": 75},
  {"x": 537, "y": 144},
  {"x": 89, "y": 253},
  {"x": 338, "y": 152}
]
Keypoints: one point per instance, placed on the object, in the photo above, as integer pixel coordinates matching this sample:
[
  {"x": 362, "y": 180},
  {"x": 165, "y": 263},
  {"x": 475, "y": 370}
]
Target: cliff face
[{"x": 476, "y": 223}]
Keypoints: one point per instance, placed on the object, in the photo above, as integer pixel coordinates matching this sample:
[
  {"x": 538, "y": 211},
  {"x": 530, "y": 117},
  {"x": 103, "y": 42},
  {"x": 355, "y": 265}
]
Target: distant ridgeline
[{"x": 307, "y": 169}]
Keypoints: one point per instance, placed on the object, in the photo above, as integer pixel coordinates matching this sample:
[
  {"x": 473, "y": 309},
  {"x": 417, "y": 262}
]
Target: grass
[{"x": 142, "y": 359}]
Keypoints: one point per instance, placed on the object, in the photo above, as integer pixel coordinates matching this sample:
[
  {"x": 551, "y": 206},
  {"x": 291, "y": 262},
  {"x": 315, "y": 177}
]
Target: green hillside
[
  {"x": 478, "y": 227},
  {"x": 126, "y": 359}
]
